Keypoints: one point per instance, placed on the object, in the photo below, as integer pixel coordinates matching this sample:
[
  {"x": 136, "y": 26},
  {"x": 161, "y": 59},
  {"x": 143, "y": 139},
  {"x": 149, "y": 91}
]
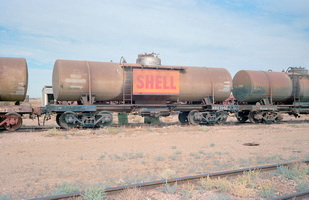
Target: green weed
[
  {"x": 94, "y": 193},
  {"x": 172, "y": 157},
  {"x": 267, "y": 189},
  {"x": 66, "y": 188},
  {"x": 187, "y": 191},
  {"x": 101, "y": 157},
  {"x": 302, "y": 185},
  {"x": 295, "y": 172},
  {"x": 167, "y": 174},
  {"x": 160, "y": 158},
  {"x": 221, "y": 185},
  {"x": 178, "y": 152},
  {"x": 202, "y": 152},
  {"x": 169, "y": 189},
  {"x": 212, "y": 145},
  {"x": 133, "y": 155},
  {"x": 5, "y": 197},
  {"x": 114, "y": 130},
  {"x": 220, "y": 196}
]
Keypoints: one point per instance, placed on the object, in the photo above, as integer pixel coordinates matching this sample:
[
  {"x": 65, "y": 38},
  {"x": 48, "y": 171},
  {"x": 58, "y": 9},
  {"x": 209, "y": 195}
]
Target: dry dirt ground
[{"x": 35, "y": 162}]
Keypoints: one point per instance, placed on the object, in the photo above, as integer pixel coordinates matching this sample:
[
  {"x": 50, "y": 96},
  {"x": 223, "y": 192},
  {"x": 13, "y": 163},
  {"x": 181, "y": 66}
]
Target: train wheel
[
  {"x": 57, "y": 119},
  {"x": 271, "y": 117},
  {"x": 242, "y": 117},
  {"x": 278, "y": 118},
  {"x": 183, "y": 118},
  {"x": 14, "y": 121},
  {"x": 66, "y": 120},
  {"x": 255, "y": 117},
  {"x": 106, "y": 119},
  {"x": 222, "y": 117},
  {"x": 192, "y": 118}
]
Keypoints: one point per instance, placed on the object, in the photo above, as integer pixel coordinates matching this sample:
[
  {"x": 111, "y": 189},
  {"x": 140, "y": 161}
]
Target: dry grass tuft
[
  {"x": 266, "y": 189},
  {"x": 187, "y": 190},
  {"x": 167, "y": 174},
  {"x": 241, "y": 190},
  {"x": 136, "y": 119},
  {"x": 244, "y": 185},
  {"x": 218, "y": 184}
]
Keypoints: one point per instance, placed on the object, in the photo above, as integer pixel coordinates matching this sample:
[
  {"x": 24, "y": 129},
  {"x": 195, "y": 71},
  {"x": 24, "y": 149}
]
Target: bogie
[{"x": 69, "y": 120}]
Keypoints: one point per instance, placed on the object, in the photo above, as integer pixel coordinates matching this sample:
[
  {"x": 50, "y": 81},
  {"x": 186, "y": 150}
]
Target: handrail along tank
[
  {"x": 13, "y": 79},
  {"x": 252, "y": 86},
  {"x": 105, "y": 80}
]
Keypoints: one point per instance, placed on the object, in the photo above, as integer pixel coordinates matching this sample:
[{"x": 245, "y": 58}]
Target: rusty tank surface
[
  {"x": 72, "y": 78},
  {"x": 252, "y": 86},
  {"x": 300, "y": 80},
  {"x": 13, "y": 79},
  {"x": 138, "y": 82}
]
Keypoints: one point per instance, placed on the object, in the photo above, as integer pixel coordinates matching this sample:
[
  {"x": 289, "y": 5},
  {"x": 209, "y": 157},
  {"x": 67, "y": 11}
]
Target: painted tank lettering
[
  {"x": 149, "y": 81},
  {"x": 158, "y": 82},
  {"x": 140, "y": 83},
  {"x": 226, "y": 88},
  {"x": 72, "y": 80},
  {"x": 155, "y": 82},
  {"x": 75, "y": 87},
  {"x": 75, "y": 76}
]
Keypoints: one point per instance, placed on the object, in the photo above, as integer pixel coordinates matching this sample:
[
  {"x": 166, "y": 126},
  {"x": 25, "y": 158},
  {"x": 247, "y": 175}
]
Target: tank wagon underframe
[
  {"x": 71, "y": 116},
  {"x": 269, "y": 113}
]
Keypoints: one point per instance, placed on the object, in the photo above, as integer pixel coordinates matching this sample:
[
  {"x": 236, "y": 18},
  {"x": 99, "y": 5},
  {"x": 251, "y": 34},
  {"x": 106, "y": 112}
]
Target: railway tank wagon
[
  {"x": 146, "y": 88},
  {"x": 13, "y": 89},
  {"x": 264, "y": 95}
]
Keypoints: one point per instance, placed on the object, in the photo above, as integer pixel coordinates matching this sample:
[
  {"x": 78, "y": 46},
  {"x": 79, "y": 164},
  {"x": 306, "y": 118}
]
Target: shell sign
[{"x": 156, "y": 82}]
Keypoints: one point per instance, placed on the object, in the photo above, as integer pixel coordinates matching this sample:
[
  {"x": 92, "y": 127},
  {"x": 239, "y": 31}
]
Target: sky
[{"x": 230, "y": 34}]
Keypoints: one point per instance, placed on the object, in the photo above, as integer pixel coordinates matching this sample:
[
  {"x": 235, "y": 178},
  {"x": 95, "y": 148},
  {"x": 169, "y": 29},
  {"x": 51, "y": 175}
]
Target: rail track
[
  {"x": 222, "y": 174},
  {"x": 132, "y": 125}
]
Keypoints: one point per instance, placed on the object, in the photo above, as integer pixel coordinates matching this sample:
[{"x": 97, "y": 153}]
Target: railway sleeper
[
  {"x": 69, "y": 120},
  {"x": 207, "y": 117}
]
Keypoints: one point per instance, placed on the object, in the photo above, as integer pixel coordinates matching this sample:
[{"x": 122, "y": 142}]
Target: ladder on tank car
[{"x": 127, "y": 85}]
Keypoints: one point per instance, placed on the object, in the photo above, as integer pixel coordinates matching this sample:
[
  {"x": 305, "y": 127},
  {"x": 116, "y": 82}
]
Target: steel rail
[
  {"x": 180, "y": 179},
  {"x": 230, "y": 123},
  {"x": 294, "y": 196}
]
